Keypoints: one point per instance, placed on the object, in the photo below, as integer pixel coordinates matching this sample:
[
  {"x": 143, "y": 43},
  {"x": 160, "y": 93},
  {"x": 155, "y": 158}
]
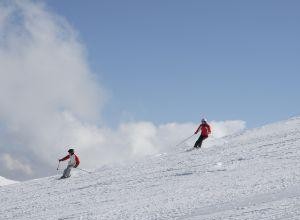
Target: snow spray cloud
[{"x": 50, "y": 100}]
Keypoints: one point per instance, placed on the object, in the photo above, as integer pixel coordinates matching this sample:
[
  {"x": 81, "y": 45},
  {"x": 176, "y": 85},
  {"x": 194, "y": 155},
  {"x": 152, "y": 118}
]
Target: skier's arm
[
  {"x": 209, "y": 129},
  {"x": 197, "y": 129},
  {"x": 65, "y": 158},
  {"x": 77, "y": 161}
]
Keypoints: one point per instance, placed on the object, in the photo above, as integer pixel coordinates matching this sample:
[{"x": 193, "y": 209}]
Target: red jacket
[
  {"x": 74, "y": 160},
  {"x": 205, "y": 129}
]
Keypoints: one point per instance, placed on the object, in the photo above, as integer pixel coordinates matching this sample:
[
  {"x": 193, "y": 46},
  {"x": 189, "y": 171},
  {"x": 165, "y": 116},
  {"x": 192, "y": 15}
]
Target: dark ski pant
[
  {"x": 67, "y": 171},
  {"x": 199, "y": 141}
]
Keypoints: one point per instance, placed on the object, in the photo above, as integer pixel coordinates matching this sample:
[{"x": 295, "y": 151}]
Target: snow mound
[
  {"x": 4, "y": 181},
  {"x": 253, "y": 175}
]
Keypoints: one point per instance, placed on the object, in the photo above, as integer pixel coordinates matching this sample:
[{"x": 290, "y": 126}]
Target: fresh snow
[{"x": 252, "y": 175}]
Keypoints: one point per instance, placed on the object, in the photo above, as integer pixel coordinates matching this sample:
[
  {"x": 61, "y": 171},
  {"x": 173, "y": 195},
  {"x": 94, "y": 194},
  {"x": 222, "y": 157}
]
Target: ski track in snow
[{"x": 254, "y": 175}]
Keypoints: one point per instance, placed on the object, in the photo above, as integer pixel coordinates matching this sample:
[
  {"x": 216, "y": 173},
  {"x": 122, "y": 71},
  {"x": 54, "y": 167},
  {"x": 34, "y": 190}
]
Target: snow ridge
[{"x": 4, "y": 181}]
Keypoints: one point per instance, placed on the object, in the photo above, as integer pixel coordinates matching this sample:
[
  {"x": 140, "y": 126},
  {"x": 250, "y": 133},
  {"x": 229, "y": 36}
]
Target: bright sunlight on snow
[{"x": 253, "y": 175}]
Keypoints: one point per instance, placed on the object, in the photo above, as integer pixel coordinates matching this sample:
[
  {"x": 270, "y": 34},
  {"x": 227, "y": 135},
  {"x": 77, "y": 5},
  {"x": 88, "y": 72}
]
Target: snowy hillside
[
  {"x": 4, "y": 181},
  {"x": 253, "y": 175}
]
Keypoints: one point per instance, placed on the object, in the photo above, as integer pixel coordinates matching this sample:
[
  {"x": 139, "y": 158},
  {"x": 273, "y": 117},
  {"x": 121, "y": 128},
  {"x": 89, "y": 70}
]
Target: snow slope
[
  {"x": 253, "y": 175},
  {"x": 4, "y": 181}
]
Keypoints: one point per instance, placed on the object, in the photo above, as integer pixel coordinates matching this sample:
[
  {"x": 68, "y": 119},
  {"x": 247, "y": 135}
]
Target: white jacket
[{"x": 72, "y": 161}]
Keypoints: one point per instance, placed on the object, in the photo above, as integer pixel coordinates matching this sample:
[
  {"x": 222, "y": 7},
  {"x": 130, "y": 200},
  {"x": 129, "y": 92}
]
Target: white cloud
[
  {"x": 44, "y": 74},
  {"x": 50, "y": 100},
  {"x": 15, "y": 165},
  {"x": 225, "y": 128}
]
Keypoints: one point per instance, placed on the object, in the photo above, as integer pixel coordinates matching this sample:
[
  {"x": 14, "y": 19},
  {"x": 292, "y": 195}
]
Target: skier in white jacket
[{"x": 73, "y": 162}]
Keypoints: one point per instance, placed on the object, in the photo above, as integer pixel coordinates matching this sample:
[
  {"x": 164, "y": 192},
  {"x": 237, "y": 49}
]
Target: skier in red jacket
[
  {"x": 73, "y": 162},
  {"x": 205, "y": 131}
]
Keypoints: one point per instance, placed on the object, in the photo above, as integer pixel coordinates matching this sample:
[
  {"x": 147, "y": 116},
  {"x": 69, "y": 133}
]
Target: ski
[{"x": 191, "y": 149}]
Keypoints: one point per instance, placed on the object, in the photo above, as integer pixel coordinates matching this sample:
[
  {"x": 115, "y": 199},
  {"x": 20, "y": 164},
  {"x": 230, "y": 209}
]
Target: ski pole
[
  {"x": 83, "y": 170},
  {"x": 184, "y": 140},
  {"x": 58, "y": 165}
]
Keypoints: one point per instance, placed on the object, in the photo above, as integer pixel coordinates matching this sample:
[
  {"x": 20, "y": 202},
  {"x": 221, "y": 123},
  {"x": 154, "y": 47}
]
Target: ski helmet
[
  {"x": 71, "y": 151},
  {"x": 204, "y": 120}
]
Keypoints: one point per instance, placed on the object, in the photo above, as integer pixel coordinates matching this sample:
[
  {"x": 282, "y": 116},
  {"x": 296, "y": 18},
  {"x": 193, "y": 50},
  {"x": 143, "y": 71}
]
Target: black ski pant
[{"x": 199, "y": 141}]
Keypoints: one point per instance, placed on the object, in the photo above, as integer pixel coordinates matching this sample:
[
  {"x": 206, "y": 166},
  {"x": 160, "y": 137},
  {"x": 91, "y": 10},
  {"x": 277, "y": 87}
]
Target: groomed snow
[{"x": 253, "y": 175}]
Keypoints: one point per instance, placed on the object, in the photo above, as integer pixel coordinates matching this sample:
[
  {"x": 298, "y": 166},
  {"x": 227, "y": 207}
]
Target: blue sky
[{"x": 177, "y": 61}]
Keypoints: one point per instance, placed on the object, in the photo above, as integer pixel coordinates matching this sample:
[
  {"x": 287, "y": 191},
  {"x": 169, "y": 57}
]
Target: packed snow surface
[{"x": 252, "y": 175}]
